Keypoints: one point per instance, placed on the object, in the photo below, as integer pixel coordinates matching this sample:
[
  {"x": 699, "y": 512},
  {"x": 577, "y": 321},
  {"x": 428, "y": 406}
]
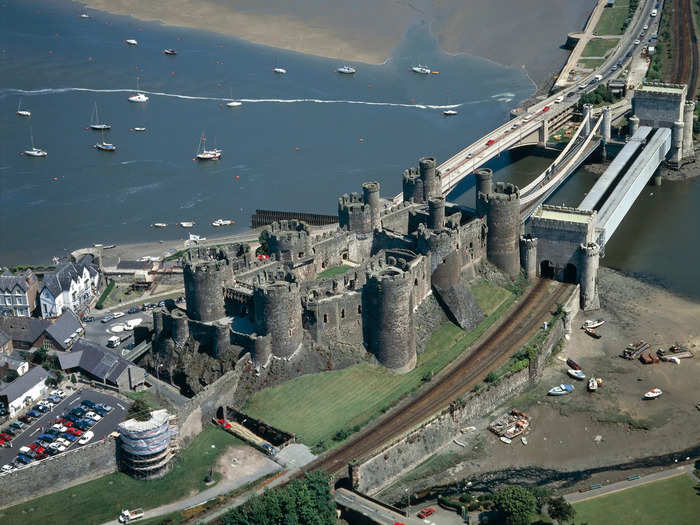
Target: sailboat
[
  {"x": 421, "y": 70},
  {"x": 105, "y": 146},
  {"x": 280, "y": 70},
  {"x": 346, "y": 70},
  {"x": 207, "y": 154},
  {"x": 23, "y": 112},
  {"x": 95, "y": 120},
  {"x": 138, "y": 97},
  {"x": 34, "y": 152},
  {"x": 233, "y": 103}
]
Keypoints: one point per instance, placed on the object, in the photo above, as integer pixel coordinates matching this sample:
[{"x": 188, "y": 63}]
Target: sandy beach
[{"x": 526, "y": 33}]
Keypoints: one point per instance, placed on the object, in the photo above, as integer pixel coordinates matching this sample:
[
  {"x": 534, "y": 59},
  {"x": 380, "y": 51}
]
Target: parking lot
[
  {"x": 100, "y": 333},
  {"x": 31, "y": 431}
]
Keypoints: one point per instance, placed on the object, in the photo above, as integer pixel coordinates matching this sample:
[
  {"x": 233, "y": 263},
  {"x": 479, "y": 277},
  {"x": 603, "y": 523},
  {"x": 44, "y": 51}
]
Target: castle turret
[
  {"x": 436, "y": 213},
  {"x": 412, "y": 186},
  {"x": 634, "y": 124},
  {"x": 484, "y": 184},
  {"x": 528, "y": 256},
  {"x": 431, "y": 178},
  {"x": 288, "y": 240},
  {"x": 179, "y": 328},
  {"x": 222, "y": 339},
  {"x": 353, "y": 214},
  {"x": 389, "y": 324},
  {"x": 607, "y": 124},
  {"x": 204, "y": 289},
  {"x": 688, "y": 148},
  {"x": 503, "y": 220},
  {"x": 370, "y": 196},
  {"x": 278, "y": 314},
  {"x": 261, "y": 351},
  {"x": 590, "y": 259}
]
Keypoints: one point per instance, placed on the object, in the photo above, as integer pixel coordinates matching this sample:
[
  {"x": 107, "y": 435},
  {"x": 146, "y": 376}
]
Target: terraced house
[
  {"x": 18, "y": 293},
  {"x": 72, "y": 286}
]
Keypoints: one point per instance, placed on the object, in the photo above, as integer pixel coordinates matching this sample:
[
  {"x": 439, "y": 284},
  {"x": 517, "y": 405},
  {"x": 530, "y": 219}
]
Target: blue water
[{"x": 288, "y": 147}]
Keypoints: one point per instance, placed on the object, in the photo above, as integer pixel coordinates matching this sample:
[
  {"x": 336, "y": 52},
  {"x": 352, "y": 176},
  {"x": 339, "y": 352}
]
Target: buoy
[
  {"x": 86, "y": 128},
  {"x": 172, "y": 73},
  {"x": 237, "y": 177},
  {"x": 55, "y": 178},
  {"x": 412, "y": 100},
  {"x": 89, "y": 59},
  {"x": 137, "y": 67},
  {"x": 193, "y": 158},
  {"x": 435, "y": 72},
  {"x": 131, "y": 129},
  {"x": 178, "y": 38},
  {"x": 369, "y": 85},
  {"x": 21, "y": 153},
  {"x": 56, "y": 35},
  {"x": 233, "y": 222},
  {"x": 362, "y": 140},
  {"x": 297, "y": 148},
  {"x": 50, "y": 51},
  {"x": 139, "y": 29}
]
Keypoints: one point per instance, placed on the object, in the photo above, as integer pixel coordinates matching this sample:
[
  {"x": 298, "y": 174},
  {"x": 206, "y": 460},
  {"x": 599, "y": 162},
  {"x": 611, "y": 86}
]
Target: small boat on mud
[
  {"x": 576, "y": 374},
  {"x": 506, "y": 440},
  {"x": 653, "y": 393},
  {"x": 524, "y": 440},
  {"x": 592, "y": 384},
  {"x": 561, "y": 390},
  {"x": 593, "y": 323},
  {"x": 592, "y": 333},
  {"x": 572, "y": 364}
]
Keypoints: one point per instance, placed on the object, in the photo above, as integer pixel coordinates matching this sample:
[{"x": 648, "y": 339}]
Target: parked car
[
  {"x": 86, "y": 437},
  {"x": 19, "y": 424},
  {"x": 59, "y": 393},
  {"x": 88, "y": 319},
  {"x": 34, "y": 413},
  {"x": 24, "y": 459},
  {"x": 107, "y": 318},
  {"x": 490, "y": 142},
  {"x": 7, "y": 468},
  {"x": 89, "y": 403},
  {"x": 58, "y": 447},
  {"x": 117, "y": 315},
  {"x": 133, "y": 310},
  {"x": 68, "y": 437},
  {"x": 41, "y": 408},
  {"x": 424, "y": 513},
  {"x": 94, "y": 416}
]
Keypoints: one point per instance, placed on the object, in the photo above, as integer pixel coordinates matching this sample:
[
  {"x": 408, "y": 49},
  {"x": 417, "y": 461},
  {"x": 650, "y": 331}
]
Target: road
[
  {"x": 102, "y": 429},
  {"x": 375, "y": 512}
]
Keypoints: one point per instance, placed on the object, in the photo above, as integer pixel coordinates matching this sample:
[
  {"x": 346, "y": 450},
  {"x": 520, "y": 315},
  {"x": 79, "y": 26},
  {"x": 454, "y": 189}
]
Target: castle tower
[
  {"x": 587, "y": 116},
  {"x": 607, "y": 124},
  {"x": 222, "y": 340},
  {"x": 528, "y": 256},
  {"x": 288, "y": 240},
  {"x": 503, "y": 221},
  {"x": 590, "y": 259},
  {"x": 278, "y": 314},
  {"x": 412, "y": 186},
  {"x": 179, "y": 329},
  {"x": 677, "y": 142},
  {"x": 431, "y": 178},
  {"x": 436, "y": 213},
  {"x": 157, "y": 322},
  {"x": 634, "y": 124},
  {"x": 389, "y": 324},
  {"x": 261, "y": 351},
  {"x": 370, "y": 196},
  {"x": 484, "y": 184},
  {"x": 688, "y": 148},
  {"x": 353, "y": 214},
  {"x": 204, "y": 289}
]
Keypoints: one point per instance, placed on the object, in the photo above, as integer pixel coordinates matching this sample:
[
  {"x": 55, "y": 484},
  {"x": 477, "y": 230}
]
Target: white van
[
  {"x": 654, "y": 12},
  {"x": 114, "y": 341},
  {"x": 527, "y": 117},
  {"x": 559, "y": 99}
]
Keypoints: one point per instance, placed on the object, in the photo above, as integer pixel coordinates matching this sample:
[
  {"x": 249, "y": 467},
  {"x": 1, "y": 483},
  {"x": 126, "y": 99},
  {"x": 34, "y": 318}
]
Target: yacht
[
  {"x": 105, "y": 146},
  {"x": 138, "y": 97},
  {"x": 234, "y": 104},
  {"x": 139, "y": 129},
  {"x": 221, "y": 222},
  {"x": 84, "y": 15},
  {"x": 95, "y": 120},
  {"x": 132, "y": 42},
  {"x": 169, "y": 51},
  {"x": 280, "y": 70},
  {"x": 34, "y": 151},
  {"x": 23, "y": 112},
  {"x": 422, "y": 70},
  {"x": 160, "y": 225},
  {"x": 207, "y": 154},
  {"x": 346, "y": 70},
  {"x": 653, "y": 393},
  {"x": 449, "y": 112},
  {"x": 187, "y": 224}
]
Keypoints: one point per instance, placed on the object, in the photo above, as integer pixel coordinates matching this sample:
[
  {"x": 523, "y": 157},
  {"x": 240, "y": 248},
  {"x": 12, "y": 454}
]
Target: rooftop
[
  {"x": 558, "y": 213},
  {"x": 24, "y": 383}
]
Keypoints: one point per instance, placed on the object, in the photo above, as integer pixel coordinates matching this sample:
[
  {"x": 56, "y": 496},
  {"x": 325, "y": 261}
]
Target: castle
[{"x": 409, "y": 266}]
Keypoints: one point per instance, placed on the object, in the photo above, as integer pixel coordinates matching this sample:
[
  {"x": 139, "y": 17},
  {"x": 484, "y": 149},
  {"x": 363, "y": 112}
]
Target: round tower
[
  {"x": 179, "y": 328},
  {"x": 412, "y": 186},
  {"x": 390, "y": 330},
  {"x": 222, "y": 339},
  {"x": 587, "y": 116},
  {"x": 634, "y": 124},
  {"x": 278, "y": 314},
  {"x": 677, "y": 142},
  {"x": 431, "y": 178},
  {"x": 503, "y": 220},
  {"x": 590, "y": 259},
  {"x": 528, "y": 256},
  {"x": 204, "y": 289},
  {"x": 436, "y": 213},
  {"x": 370, "y": 196},
  {"x": 607, "y": 124},
  {"x": 688, "y": 148},
  {"x": 261, "y": 350},
  {"x": 484, "y": 184}
]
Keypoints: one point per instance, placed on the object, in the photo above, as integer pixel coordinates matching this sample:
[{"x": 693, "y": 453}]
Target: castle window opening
[
  {"x": 301, "y": 254},
  {"x": 415, "y": 282},
  {"x": 359, "y": 308},
  {"x": 325, "y": 318},
  {"x": 345, "y": 256},
  {"x": 342, "y": 313}
]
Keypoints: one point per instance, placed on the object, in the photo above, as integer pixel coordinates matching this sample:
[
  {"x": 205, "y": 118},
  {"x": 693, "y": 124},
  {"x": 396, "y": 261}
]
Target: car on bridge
[{"x": 490, "y": 142}]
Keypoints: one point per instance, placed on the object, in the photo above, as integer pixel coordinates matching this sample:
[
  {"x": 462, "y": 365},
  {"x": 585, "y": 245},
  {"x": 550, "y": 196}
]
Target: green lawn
[
  {"x": 489, "y": 296},
  {"x": 148, "y": 397},
  {"x": 100, "y": 500},
  {"x": 672, "y": 501},
  {"x": 321, "y": 407},
  {"x": 597, "y": 47},
  {"x": 590, "y": 63},
  {"x": 332, "y": 272},
  {"x": 612, "y": 19}
]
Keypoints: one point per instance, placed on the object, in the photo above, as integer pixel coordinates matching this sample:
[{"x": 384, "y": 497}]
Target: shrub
[
  {"x": 492, "y": 377},
  {"x": 105, "y": 294}
]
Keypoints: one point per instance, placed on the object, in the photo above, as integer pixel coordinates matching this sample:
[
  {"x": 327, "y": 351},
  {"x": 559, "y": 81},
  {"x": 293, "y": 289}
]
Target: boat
[
  {"x": 23, "y": 112},
  {"x": 524, "y": 440},
  {"x": 592, "y": 384},
  {"x": 221, "y": 222},
  {"x": 346, "y": 70},
  {"x": 187, "y": 224},
  {"x": 506, "y": 440},
  {"x": 207, "y": 154},
  {"x": 280, "y": 70},
  {"x": 576, "y": 374},
  {"x": 561, "y": 390},
  {"x": 169, "y": 51},
  {"x": 449, "y": 112},
  {"x": 421, "y": 70},
  {"x": 159, "y": 225},
  {"x": 95, "y": 120},
  {"x": 653, "y": 393},
  {"x": 131, "y": 42},
  {"x": 593, "y": 323},
  {"x": 138, "y": 97},
  {"x": 109, "y": 246},
  {"x": 34, "y": 151},
  {"x": 139, "y": 129},
  {"x": 105, "y": 146},
  {"x": 592, "y": 333},
  {"x": 572, "y": 364},
  {"x": 84, "y": 15},
  {"x": 234, "y": 104}
]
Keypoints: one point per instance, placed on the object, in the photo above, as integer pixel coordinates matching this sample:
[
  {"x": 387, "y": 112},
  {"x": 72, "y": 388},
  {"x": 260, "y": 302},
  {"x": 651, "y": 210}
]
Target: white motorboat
[
  {"x": 84, "y": 15},
  {"x": 23, "y": 112},
  {"x": 421, "y": 70},
  {"x": 207, "y": 154},
  {"x": 593, "y": 324},
  {"x": 346, "y": 70},
  {"x": 592, "y": 384},
  {"x": 524, "y": 440},
  {"x": 139, "y": 129},
  {"x": 95, "y": 120},
  {"x": 576, "y": 374},
  {"x": 561, "y": 390},
  {"x": 138, "y": 97},
  {"x": 170, "y": 52},
  {"x": 506, "y": 440},
  {"x": 653, "y": 393},
  {"x": 105, "y": 146},
  {"x": 131, "y": 42},
  {"x": 221, "y": 222},
  {"x": 160, "y": 225},
  {"x": 187, "y": 224},
  {"x": 34, "y": 151},
  {"x": 234, "y": 104},
  {"x": 280, "y": 70},
  {"x": 449, "y": 112}
]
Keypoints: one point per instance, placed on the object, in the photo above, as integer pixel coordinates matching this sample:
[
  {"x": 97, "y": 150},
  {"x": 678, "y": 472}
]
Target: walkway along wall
[
  {"x": 59, "y": 472},
  {"x": 373, "y": 474}
]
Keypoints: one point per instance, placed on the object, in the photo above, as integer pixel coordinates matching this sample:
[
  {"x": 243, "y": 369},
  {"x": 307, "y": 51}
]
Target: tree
[
  {"x": 139, "y": 410},
  {"x": 39, "y": 356},
  {"x": 515, "y": 504},
  {"x": 72, "y": 379},
  {"x": 561, "y": 510}
]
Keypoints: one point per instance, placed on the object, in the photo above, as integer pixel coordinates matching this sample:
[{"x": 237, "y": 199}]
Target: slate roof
[
  {"x": 8, "y": 282},
  {"x": 20, "y": 386},
  {"x": 4, "y": 338},
  {"x": 63, "y": 327},
  {"x": 94, "y": 360},
  {"x": 25, "y": 329},
  {"x": 60, "y": 279}
]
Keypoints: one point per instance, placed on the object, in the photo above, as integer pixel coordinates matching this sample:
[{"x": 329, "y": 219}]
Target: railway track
[
  {"x": 686, "y": 64},
  {"x": 458, "y": 380}
]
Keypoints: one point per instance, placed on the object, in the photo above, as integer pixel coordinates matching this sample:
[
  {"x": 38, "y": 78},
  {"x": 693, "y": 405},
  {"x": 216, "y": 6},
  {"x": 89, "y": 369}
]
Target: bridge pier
[
  {"x": 688, "y": 149},
  {"x": 543, "y": 134},
  {"x": 607, "y": 124},
  {"x": 677, "y": 143},
  {"x": 587, "y": 115},
  {"x": 634, "y": 125}
]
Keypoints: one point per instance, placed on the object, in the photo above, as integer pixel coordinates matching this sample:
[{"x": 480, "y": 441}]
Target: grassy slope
[
  {"x": 332, "y": 272},
  {"x": 612, "y": 18},
  {"x": 671, "y": 501},
  {"x": 318, "y": 406},
  {"x": 100, "y": 500},
  {"x": 597, "y": 47}
]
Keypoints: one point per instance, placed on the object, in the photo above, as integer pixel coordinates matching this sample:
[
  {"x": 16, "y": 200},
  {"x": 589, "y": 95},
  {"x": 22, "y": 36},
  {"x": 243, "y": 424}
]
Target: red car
[
  {"x": 5, "y": 436},
  {"x": 34, "y": 446},
  {"x": 39, "y": 450},
  {"x": 546, "y": 108},
  {"x": 2, "y": 442},
  {"x": 75, "y": 431},
  {"x": 428, "y": 511},
  {"x": 490, "y": 142}
]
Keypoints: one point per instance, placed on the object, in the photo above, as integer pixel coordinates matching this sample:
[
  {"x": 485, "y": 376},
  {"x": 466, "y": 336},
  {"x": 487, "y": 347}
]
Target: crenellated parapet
[
  {"x": 288, "y": 241},
  {"x": 503, "y": 218}
]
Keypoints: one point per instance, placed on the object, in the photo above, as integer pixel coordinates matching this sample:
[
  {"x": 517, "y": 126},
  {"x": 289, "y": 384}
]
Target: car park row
[{"x": 111, "y": 316}]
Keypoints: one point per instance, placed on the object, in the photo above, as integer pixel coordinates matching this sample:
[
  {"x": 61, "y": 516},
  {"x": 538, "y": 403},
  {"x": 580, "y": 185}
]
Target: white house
[
  {"x": 24, "y": 390},
  {"x": 72, "y": 286}
]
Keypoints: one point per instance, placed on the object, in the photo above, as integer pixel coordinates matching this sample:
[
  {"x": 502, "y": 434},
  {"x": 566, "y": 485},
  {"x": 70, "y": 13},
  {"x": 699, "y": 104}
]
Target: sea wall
[
  {"x": 59, "y": 472},
  {"x": 372, "y": 474}
]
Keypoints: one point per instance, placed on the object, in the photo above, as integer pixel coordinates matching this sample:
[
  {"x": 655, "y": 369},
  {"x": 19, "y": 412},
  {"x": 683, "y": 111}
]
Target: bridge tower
[
  {"x": 587, "y": 116},
  {"x": 503, "y": 221},
  {"x": 590, "y": 259},
  {"x": 528, "y": 256},
  {"x": 677, "y": 143},
  {"x": 634, "y": 124},
  {"x": 370, "y": 196},
  {"x": 607, "y": 124},
  {"x": 688, "y": 111},
  {"x": 484, "y": 184},
  {"x": 543, "y": 135}
]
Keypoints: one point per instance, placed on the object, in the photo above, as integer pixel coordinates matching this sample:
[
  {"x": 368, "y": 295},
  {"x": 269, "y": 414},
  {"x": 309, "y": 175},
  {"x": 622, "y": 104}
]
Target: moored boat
[
  {"x": 576, "y": 374},
  {"x": 207, "y": 154},
  {"x": 95, "y": 120},
  {"x": 169, "y": 51},
  {"x": 84, "y": 15},
  {"x": 653, "y": 393},
  {"x": 34, "y": 151},
  {"x": 138, "y": 97},
  {"x": 105, "y": 146},
  {"x": 280, "y": 70},
  {"x": 187, "y": 224},
  {"x": 234, "y": 104},
  {"x": 160, "y": 225},
  {"x": 139, "y": 129},
  {"x": 592, "y": 333},
  {"x": 23, "y": 112},
  {"x": 346, "y": 70},
  {"x": 572, "y": 364},
  {"x": 593, "y": 323},
  {"x": 131, "y": 42},
  {"x": 421, "y": 70},
  {"x": 561, "y": 390},
  {"x": 506, "y": 440},
  {"x": 221, "y": 222},
  {"x": 592, "y": 384},
  {"x": 449, "y": 112}
]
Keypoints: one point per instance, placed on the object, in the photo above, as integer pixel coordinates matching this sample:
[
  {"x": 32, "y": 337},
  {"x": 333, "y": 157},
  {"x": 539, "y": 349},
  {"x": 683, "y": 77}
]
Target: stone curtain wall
[
  {"x": 375, "y": 473},
  {"x": 59, "y": 472}
]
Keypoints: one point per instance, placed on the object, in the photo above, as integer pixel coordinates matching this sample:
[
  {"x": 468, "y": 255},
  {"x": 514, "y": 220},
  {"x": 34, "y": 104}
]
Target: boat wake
[{"x": 53, "y": 91}]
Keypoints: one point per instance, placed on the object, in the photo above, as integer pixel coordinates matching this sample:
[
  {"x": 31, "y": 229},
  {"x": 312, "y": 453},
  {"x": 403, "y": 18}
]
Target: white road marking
[
  {"x": 120, "y": 406},
  {"x": 35, "y": 431}
]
